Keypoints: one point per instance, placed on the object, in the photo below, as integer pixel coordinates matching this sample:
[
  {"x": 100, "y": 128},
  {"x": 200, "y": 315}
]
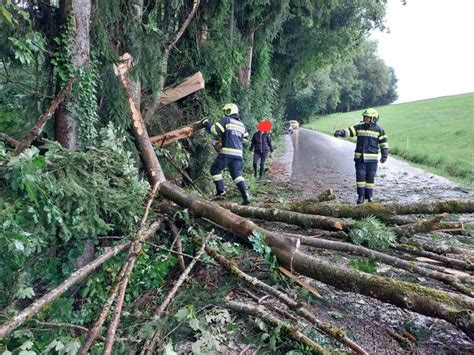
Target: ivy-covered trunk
[{"x": 65, "y": 125}]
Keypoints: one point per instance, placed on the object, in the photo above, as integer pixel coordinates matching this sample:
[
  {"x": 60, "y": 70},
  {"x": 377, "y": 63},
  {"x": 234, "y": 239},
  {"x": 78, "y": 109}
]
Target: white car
[{"x": 294, "y": 124}]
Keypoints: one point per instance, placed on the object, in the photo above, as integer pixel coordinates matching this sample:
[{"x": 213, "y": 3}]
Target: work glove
[
  {"x": 205, "y": 123},
  {"x": 338, "y": 133},
  {"x": 383, "y": 159}
]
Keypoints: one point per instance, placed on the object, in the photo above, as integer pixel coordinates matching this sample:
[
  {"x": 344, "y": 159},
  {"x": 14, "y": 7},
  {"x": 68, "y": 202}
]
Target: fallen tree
[
  {"x": 381, "y": 210},
  {"x": 277, "y": 215},
  {"x": 450, "y": 307},
  {"x": 391, "y": 260},
  {"x": 434, "y": 303}
]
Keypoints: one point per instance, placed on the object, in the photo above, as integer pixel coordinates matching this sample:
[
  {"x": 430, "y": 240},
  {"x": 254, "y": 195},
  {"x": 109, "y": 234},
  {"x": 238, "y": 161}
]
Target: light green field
[{"x": 435, "y": 133}]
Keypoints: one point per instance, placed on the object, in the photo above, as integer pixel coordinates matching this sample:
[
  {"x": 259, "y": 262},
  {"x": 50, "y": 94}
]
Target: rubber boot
[
  {"x": 243, "y": 191},
  {"x": 360, "y": 200},
  {"x": 219, "y": 187}
]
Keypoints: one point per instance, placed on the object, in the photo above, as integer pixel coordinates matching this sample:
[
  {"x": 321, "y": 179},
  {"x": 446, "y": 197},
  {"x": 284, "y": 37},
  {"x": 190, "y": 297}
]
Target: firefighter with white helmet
[
  {"x": 370, "y": 138},
  {"x": 231, "y": 133}
]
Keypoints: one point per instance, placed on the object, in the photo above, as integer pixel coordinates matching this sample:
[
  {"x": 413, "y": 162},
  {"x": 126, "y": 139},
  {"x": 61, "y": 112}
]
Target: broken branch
[{"x": 38, "y": 128}]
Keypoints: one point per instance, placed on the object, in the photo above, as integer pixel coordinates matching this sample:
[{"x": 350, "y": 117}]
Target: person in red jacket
[{"x": 261, "y": 146}]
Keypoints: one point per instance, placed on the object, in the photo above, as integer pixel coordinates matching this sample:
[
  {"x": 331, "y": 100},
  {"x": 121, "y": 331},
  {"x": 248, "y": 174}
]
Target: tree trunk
[
  {"x": 382, "y": 210},
  {"x": 245, "y": 73},
  {"x": 391, "y": 260},
  {"x": 167, "y": 138},
  {"x": 275, "y": 215},
  {"x": 179, "y": 90},
  {"x": 153, "y": 168},
  {"x": 65, "y": 126},
  {"x": 430, "y": 225}
]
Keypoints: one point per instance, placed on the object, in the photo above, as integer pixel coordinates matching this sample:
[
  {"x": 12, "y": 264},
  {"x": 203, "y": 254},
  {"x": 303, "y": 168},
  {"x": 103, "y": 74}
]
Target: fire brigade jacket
[
  {"x": 233, "y": 134},
  {"x": 261, "y": 143},
  {"x": 370, "y": 137}
]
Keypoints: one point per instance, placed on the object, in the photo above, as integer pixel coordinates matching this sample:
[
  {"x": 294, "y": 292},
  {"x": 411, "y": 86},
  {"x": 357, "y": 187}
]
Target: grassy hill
[{"x": 436, "y": 133}]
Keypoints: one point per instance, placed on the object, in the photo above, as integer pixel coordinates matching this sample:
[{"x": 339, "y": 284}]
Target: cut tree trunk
[
  {"x": 154, "y": 171},
  {"x": 184, "y": 88},
  {"x": 390, "y": 260},
  {"x": 300, "y": 219},
  {"x": 167, "y": 138},
  {"x": 381, "y": 210},
  {"x": 430, "y": 225}
]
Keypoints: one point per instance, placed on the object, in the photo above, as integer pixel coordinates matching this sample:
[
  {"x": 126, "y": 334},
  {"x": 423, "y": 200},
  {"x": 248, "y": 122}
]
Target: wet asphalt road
[{"x": 321, "y": 161}]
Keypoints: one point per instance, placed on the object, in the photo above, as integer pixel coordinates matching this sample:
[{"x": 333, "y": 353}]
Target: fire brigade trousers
[
  {"x": 365, "y": 177},
  {"x": 235, "y": 168}
]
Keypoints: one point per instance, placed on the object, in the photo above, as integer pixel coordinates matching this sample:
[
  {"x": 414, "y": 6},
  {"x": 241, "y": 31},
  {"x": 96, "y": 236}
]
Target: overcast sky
[{"x": 431, "y": 47}]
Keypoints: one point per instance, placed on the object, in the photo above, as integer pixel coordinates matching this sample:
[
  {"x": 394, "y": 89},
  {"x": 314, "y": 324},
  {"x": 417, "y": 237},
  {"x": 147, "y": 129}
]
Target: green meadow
[{"x": 437, "y": 134}]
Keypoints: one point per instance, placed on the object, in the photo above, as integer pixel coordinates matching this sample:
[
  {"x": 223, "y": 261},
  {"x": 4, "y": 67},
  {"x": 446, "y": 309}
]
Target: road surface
[{"x": 321, "y": 161}]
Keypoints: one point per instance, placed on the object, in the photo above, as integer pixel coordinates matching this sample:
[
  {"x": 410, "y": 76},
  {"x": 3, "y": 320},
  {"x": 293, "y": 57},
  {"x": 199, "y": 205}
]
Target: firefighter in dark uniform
[
  {"x": 370, "y": 137},
  {"x": 231, "y": 134}
]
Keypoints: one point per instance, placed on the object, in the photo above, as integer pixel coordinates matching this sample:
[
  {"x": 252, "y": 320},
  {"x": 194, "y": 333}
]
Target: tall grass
[{"x": 436, "y": 133}]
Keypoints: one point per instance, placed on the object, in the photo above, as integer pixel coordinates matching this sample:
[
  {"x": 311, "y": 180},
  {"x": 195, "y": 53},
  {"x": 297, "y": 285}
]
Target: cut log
[
  {"x": 430, "y": 225},
  {"x": 455, "y": 263},
  {"x": 389, "y": 260},
  {"x": 184, "y": 88},
  {"x": 167, "y": 138},
  {"x": 382, "y": 210},
  {"x": 441, "y": 248},
  {"x": 450, "y": 307},
  {"x": 296, "y": 218}
]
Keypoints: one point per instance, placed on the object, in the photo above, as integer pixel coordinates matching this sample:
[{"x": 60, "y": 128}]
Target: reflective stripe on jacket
[
  {"x": 370, "y": 137},
  {"x": 233, "y": 133}
]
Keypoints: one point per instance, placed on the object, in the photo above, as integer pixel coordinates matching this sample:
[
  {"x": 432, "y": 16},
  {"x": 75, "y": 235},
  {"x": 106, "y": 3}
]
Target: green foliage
[
  {"x": 361, "y": 80},
  {"x": 259, "y": 245},
  {"x": 373, "y": 233},
  {"x": 269, "y": 335},
  {"x": 26, "y": 49},
  {"x": 52, "y": 203},
  {"x": 212, "y": 328}
]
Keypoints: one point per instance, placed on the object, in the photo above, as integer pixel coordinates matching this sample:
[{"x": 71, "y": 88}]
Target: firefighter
[
  {"x": 231, "y": 133},
  {"x": 370, "y": 137},
  {"x": 261, "y": 146}
]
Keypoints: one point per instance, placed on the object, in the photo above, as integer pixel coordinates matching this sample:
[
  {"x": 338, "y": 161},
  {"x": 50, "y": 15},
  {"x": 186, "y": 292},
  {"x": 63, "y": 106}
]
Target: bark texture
[
  {"x": 277, "y": 215},
  {"x": 167, "y": 138},
  {"x": 382, "y": 210},
  {"x": 65, "y": 126},
  {"x": 450, "y": 307}
]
